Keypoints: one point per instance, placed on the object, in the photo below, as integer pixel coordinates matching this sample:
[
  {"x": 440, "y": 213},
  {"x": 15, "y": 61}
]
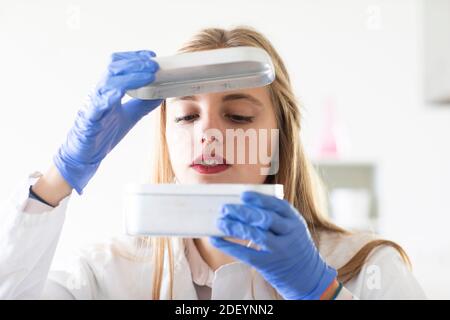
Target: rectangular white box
[{"x": 184, "y": 210}]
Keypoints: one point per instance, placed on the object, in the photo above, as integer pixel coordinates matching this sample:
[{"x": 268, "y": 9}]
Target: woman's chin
[
  {"x": 230, "y": 175},
  {"x": 221, "y": 177},
  {"x": 211, "y": 181}
]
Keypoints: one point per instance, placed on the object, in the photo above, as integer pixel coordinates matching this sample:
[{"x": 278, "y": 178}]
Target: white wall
[{"x": 366, "y": 54}]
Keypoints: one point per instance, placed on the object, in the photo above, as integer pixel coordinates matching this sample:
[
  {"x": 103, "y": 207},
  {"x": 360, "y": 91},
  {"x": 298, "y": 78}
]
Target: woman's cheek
[{"x": 179, "y": 142}]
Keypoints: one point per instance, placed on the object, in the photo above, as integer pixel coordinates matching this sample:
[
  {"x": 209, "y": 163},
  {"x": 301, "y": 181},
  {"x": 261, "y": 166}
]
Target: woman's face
[{"x": 225, "y": 137}]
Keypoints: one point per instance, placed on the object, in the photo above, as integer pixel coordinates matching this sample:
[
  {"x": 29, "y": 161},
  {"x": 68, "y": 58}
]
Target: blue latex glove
[
  {"x": 104, "y": 120},
  {"x": 288, "y": 258}
]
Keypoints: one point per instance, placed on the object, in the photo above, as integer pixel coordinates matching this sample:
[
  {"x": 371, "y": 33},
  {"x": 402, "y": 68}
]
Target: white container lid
[
  {"x": 229, "y": 189},
  {"x": 206, "y": 71}
]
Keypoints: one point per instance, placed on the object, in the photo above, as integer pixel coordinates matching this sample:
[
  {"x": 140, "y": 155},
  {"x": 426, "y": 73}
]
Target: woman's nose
[
  {"x": 210, "y": 129},
  {"x": 209, "y": 138}
]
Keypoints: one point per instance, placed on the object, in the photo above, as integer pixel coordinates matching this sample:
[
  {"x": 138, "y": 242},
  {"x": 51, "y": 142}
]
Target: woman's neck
[{"x": 213, "y": 256}]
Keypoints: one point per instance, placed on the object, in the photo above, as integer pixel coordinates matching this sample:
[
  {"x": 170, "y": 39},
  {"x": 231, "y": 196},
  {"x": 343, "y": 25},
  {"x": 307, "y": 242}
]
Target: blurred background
[{"x": 373, "y": 78}]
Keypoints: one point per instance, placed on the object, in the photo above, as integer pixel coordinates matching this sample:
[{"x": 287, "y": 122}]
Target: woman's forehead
[{"x": 257, "y": 96}]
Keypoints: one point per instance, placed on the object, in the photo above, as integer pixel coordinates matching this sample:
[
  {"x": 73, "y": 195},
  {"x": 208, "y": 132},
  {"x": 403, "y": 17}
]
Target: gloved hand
[
  {"x": 288, "y": 258},
  {"x": 104, "y": 120}
]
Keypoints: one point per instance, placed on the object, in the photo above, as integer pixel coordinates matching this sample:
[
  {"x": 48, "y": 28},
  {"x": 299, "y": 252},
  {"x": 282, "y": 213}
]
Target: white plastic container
[
  {"x": 185, "y": 210},
  {"x": 208, "y": 71}
]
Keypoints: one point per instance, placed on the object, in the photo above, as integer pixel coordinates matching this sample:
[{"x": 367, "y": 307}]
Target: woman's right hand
[{"x": 104, "y": 120}]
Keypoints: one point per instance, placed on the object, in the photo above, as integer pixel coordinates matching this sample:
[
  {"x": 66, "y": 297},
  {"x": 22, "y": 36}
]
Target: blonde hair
[{"x": 302, "y": 186}]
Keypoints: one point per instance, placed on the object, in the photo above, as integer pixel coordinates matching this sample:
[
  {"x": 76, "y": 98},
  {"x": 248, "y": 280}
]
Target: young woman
[{"x": 297, "y": 252}]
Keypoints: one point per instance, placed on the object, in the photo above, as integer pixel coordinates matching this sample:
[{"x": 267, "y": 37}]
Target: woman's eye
[
  {"x": 188, "y": 118},
  {"x": 239, "y": 118},
  {"x": 233, "y": 117}
]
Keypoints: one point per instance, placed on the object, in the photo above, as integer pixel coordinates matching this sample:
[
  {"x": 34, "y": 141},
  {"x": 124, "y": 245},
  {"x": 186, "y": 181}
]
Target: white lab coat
[{"x": 118, "y": 269}]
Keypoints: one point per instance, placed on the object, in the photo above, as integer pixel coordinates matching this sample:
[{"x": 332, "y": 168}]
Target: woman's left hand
[{"x": 288, "y": 258}]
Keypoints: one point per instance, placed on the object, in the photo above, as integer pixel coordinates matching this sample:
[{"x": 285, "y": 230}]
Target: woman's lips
[
  {"x": 200, "y": 166},
  {"x": 210, "y": 169}
]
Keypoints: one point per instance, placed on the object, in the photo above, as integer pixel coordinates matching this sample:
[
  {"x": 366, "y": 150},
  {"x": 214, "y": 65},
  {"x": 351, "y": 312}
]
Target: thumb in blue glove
[
  {"x": 102, "y": 123},
  {"x": 288, "y": 258}
]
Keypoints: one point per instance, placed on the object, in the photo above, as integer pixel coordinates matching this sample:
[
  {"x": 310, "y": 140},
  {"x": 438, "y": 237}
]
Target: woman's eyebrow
[
  {"x": 238, "y": 96},
  {"x": 226, "y": 98}
]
